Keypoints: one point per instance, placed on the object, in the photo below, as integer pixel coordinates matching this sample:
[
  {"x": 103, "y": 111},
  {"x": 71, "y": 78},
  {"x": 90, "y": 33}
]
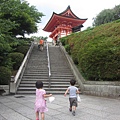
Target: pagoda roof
[{"x": 66, "y": 16}]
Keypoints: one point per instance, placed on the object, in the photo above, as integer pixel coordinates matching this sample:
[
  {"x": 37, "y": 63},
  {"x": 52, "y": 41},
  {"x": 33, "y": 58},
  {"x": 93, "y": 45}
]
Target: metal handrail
[{"x": 48, "y": 64}]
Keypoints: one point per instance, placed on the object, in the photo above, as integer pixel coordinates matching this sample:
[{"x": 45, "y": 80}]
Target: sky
[{"x": 82, "y": 8}]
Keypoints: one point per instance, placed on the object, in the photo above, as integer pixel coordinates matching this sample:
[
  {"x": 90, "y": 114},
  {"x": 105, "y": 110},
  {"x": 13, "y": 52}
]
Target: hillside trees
[
  {"x": 40, "y": 37},
  {"x": 107, "y": 15}
]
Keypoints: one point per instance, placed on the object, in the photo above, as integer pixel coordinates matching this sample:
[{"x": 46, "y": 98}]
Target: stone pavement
[{"x": 90, "y": 108}]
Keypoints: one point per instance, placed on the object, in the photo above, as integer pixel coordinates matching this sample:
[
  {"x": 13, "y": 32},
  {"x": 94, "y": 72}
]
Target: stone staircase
[{"x": 37, "y": 69}]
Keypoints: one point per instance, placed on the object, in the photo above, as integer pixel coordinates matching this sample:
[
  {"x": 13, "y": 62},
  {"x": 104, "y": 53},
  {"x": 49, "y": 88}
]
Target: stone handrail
[
  {"x": 75, "y": 71},
  {"x": 16, "y": 80}
]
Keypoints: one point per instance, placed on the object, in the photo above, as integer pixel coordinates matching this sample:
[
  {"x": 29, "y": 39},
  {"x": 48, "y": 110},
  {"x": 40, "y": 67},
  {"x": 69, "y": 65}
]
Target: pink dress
[{"x": 40, "y": 103}]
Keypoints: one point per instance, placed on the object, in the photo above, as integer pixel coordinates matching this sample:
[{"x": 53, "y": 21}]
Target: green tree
[
  {"x": 107, "y": 15},
  {"x": 103, "y": 17},
  {"x": 17, "y": 17},
  {"x": 5, "y": 40},
  {"x": 116, "y": 12},
  {"x": 38, "y": 38},
  {"x": 22, "y": 14}
]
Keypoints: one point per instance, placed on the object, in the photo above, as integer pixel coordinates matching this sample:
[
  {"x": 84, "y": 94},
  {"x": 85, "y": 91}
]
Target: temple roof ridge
[{"x": 68, "y": 10}]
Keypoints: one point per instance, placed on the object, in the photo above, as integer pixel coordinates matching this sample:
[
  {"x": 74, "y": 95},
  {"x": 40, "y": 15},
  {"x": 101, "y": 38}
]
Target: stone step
[
  {"x": 35, "y": 77},
  {"x": 33, "y": 82},
  {"x": 46, "y": 77},
  {"x": 47, "y": 91},
  {"x": 41, "y": 67},
  {"x": 36, "y": 74},
  {"x": 27, "y": 86},
  {"x": 46, "y": 88},
  {"x": 32, "y": 85},
  {"x": 60, "y": 71},
  {"x": 45, "y": 81},
  {"x": 61, "y": 75},
  {"x": 36, "y": 70},
  {"x": 38, "y": 59}
]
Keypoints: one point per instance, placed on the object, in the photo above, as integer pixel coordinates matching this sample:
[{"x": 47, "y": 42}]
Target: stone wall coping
[{"x": 114, "y": 83}]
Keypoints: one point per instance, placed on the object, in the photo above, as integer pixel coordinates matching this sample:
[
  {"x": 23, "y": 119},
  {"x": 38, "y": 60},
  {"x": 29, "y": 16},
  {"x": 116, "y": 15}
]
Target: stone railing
[
  {"x": 98, "y": 88},
  {"x": 80, "y": 80},
  {"x": 15, "y": 81}
]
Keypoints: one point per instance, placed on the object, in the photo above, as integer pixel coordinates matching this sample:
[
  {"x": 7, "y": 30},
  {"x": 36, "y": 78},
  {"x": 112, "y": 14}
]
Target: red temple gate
[{"x": 63, "y": 24}]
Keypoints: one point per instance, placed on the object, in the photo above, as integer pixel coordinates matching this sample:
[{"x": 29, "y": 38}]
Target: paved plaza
[{"x": 90, "y": 108}]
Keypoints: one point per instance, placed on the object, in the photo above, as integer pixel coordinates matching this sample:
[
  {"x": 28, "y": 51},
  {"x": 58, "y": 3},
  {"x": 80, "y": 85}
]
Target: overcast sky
[{"x": 81, "y": 8}]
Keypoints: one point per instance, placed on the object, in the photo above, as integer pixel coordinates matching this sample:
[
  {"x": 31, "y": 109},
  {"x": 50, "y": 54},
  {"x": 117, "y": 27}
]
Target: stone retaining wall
[{"x": 102, "y": 90}]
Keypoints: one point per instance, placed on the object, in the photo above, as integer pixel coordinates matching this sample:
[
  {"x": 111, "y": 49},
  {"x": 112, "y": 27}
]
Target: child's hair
[
  {"x": 72, "y": 82},
  {"x": 39, "y": 84}
]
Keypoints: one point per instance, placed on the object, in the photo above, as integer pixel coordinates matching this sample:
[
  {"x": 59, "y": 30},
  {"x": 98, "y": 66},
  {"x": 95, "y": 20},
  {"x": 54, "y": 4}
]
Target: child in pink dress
[{"x": 40, "y": 102}]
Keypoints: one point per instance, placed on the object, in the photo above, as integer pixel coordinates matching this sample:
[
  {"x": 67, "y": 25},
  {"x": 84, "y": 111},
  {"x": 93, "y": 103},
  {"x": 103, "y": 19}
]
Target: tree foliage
[
  {"x": 23, "y": 16},
  {"x": 17, "y": 17},
  {"x": 107, "y": 15}
]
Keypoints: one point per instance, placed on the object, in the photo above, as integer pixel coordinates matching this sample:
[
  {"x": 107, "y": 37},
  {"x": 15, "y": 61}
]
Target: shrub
[
  {"x": 100, "y": 61},
  {"x": 22, "y": 49},
  {"x": 5, "y": 75},
  {"x": 63, "y": 41},
  {"x": 17, "y": 59},
  {"x": 7, "y": 62},
  {"x": 67, "y": 48}
]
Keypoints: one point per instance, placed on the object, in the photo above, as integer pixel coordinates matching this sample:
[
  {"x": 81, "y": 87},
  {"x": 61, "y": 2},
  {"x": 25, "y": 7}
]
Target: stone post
[{"x": 12, "y": 85}]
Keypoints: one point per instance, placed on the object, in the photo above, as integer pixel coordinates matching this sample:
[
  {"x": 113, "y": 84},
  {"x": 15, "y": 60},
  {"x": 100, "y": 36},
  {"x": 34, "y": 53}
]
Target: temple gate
[{"x": 63, "y": 24}]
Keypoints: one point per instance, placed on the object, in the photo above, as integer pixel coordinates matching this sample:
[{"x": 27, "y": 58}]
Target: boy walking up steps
[{"x": 73, "y": 91}]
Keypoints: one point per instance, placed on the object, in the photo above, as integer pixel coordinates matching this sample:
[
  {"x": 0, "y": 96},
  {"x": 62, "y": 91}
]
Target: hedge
[{"x": 17, "y": 59}]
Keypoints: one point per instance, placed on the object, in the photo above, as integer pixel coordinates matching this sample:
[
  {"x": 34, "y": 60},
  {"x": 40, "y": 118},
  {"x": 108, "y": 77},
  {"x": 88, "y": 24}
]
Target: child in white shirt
[{"x": 73, "y": 91}]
